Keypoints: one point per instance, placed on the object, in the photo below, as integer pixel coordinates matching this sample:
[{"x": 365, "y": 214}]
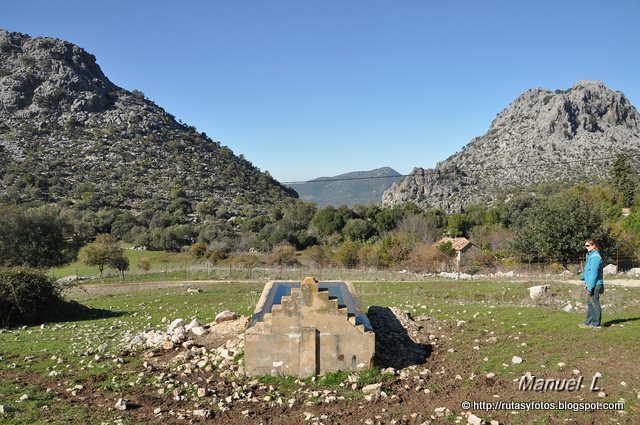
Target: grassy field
[{"x": 43, "y": 362}]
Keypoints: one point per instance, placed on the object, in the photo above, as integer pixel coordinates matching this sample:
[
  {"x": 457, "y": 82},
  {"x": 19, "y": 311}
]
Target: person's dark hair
[{"x": 591, "y": 242}]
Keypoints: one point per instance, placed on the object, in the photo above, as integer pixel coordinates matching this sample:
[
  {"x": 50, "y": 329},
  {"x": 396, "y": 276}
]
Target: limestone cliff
[{"x": 567, "y": 135}]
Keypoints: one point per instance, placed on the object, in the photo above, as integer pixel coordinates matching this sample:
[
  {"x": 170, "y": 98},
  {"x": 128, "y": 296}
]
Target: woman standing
[{"x": 593, "y": 284}]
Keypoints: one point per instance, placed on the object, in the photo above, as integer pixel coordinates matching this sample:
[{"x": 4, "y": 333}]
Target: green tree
[
  {"x": 557, "y": 228},
  {"x": 458, "y": 225},
  {"x": 120, "y": 263},
  {"x": 104, "y": 251},
  {"x": 36, "y": 237},
  {"x": 327, "y": 221},
  {"x": 357, "y": 229},
  {"x": 624, "y": 179},
  {"x": 347, "y": 254}
]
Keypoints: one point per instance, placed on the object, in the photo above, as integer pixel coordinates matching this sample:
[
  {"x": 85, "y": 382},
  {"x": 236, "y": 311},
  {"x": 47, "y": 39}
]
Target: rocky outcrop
[
  {"x": 566, "y": 136},
  {"x": 69, "y": 135}
]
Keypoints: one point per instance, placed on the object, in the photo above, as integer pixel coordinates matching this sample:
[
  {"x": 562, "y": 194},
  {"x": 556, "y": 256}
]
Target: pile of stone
[{"x": 178, "y": 333}]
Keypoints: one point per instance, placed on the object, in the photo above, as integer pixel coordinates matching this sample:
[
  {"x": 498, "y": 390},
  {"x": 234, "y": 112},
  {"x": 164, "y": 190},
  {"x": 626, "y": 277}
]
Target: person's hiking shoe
[
  {"x": 583, "y": 326},
  {"x": 595, "y": 327}
]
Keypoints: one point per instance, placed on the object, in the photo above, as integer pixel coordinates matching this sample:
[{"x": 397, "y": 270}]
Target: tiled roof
[{"x": 458, "y": 244}]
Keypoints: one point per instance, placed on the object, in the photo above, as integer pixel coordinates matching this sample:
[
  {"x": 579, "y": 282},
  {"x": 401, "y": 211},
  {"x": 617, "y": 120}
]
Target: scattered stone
[
  {"x": 568, "y": 308},
  {"x": 372, "y": 389},
  {"x": 602, "y": 394},
  {"x": 173, "y": 325},
  {"x": 203, "y": 413},
  {"x": 474, "y": 420},
  {"x": 225, "y": 316},
  {"x": 561, "y": 364},
  {"x": 194, "y": 323},
  {"x": 157, "y": 410},
  {"x": 4, "y": 409},
  {"x": 490, "y": 375},
  {"x": 610, "y": 269},
  {"x": 538, "y": 292},
  {"x": 198, "y": 330},
  {"x": 122, "y": 404},
  {"x": 634, "y": 271},
  {"x": 22, "y": 398},
  {"x": 193, "y": 290},
  {"x": 516, "y": 360}
]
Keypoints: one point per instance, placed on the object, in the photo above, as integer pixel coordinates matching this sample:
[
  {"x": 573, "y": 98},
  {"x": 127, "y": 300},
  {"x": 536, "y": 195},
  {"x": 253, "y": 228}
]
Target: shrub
[
  {"x": 347, "y": 254},
  {"x": 429, "y": 259},
  {"x": 283, "y": 255},
  {"x": 26, "y": 295}
]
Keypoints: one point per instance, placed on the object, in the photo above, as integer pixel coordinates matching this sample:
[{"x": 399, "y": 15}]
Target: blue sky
[{"x": 311, "y": 88}]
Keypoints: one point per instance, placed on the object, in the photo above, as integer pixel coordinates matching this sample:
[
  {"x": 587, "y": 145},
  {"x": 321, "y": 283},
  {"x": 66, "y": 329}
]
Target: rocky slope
[
  {"x": 567, "y": 136},
  {"x": 358, "y": 187},
  {"x": 69, "y": 135}
]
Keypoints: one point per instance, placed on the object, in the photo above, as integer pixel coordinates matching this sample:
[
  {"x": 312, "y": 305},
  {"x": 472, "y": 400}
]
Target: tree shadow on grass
[
  {"x": 617, "y": 321},
  {"x": 60, "y": 311},
  {"x": 394, "y": 347}
]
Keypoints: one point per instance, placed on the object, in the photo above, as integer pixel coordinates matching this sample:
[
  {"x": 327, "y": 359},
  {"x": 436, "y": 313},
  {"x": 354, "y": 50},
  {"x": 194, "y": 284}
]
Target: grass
[{"x": 86, "y": 350}]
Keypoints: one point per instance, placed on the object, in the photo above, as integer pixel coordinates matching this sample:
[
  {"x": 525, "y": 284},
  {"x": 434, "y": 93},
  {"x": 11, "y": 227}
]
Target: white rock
[
  {"x": 226, "y": 315},
  {"x": 516, "y": 360},
  {"x": 198, "y": 330},
  {"x": 602, "y": 394},
  {"x": 122, "y": 404},
  {"x": 5, "y": 409},
  {"x": 174, "y": 324},
  {"x": 537, "y": 292},
  {"x": 201, "y": 413},
  {"x": 192, "y": 325},
  {"x": 568, "y": 308},
  {"x": 634, "y": 271},
  {"x": 490, "y": 375},
  {"x": 474, "y": 420},
  {"x": 610, "y": 269},
  {"x": 372, "y": 388}
]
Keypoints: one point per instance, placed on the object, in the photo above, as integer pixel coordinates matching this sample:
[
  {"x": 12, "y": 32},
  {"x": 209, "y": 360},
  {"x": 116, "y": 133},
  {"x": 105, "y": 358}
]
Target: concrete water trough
[{"x": 308, "y": 328}]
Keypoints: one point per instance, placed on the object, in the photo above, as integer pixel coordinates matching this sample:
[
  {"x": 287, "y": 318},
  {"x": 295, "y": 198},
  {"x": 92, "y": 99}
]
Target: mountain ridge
[
  {"x": 352, "y": 188},
  {"x": 69, "y": 135},
  {"x": 541, "y": 136}
]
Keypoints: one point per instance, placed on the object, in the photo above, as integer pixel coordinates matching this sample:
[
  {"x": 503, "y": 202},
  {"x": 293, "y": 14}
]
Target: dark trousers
[{"x": 594, "y": 313}]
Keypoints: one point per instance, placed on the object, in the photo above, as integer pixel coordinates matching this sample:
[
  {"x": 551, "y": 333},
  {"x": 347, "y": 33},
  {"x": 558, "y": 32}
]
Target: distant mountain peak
[
  {"x": 357, "y": 187},
  {"x": 563, "y": 135}
]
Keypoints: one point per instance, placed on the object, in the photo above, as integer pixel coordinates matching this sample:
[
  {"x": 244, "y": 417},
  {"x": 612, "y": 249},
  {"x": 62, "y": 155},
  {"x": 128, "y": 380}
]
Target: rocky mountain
[
  {"x": 68, "y": 135},
  {"x": 358, "y": 187},
  {"x": 564, "y": 135}
]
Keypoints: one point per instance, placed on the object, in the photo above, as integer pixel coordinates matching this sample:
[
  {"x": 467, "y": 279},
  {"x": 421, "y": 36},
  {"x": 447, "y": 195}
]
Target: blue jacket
[{"x": 592, "y": 275}]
